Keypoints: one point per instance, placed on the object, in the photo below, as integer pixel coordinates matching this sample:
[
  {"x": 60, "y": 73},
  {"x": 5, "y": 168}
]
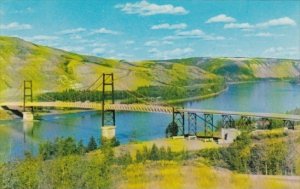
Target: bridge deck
[
  {"x": 249, "y": 114},
  {"x": 151, "y": 108}
]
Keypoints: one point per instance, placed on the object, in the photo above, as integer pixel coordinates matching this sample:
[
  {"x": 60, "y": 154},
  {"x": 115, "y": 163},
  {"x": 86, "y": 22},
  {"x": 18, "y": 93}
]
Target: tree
[
  {"x": 172, "y": 130},
  {"x": 154, "y": 153},
  {"x": 81, "y": 148},
  {"x": 92, "y": 145}
]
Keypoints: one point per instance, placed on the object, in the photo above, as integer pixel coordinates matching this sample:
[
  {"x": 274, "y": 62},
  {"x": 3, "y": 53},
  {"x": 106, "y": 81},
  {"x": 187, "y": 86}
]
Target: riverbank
[
  {"x": 6, "y": 115},
  {"x": 201, "y": 97},
  {"x": 63, "y": 112}
]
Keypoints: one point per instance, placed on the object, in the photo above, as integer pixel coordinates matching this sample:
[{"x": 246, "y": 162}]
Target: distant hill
[{"x": 55, "y": 70}]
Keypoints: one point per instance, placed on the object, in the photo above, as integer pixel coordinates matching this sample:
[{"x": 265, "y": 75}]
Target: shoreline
[{"x": 201, "y": 97}]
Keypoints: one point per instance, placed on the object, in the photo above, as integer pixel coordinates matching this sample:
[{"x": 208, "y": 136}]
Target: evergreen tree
[
  {"x": 154, "y": 153},
  {"x": 92, "y": 145},
  {"x": 81, "y": 148}
]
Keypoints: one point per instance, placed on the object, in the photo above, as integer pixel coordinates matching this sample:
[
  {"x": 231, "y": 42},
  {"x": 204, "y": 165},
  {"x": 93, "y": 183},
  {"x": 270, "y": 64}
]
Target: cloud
[
  {"x": 24, "y": 11},
  {"x": 264, "y": 34},
  {"x": 281, "y": 52},
  {"x": 238, "y": 26},
  {"x": 72, "y": 31},
  {"x": 97, "y": 44},
  {"x": 129, "y": 42},
  {"x": 169, "y": 26},
  {"x": 284, "y": 21},
  {"x": 220, "y": 18},
  {"x": 157, "y": 43},
  {"x": 43, "y": 38},
  {"x": 104, "y": 31},
  {"x": 76, "y": 37},
  {"x": 98, "y": 51},
  {"x": 145, "y": 8},
  {"x": 73, "y": 48},
  {"x": 15, "y": 26},
  {"x": 196, "y": 33},
  {"x": 170, "y": 54}
]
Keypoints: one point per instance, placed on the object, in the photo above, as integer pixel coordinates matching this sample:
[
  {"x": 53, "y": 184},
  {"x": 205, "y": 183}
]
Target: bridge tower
[
  {"x": 108, "y": 115},
  {"x": 27, "y": 96}
]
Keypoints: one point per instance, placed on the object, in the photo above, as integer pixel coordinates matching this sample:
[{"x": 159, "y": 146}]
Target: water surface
[{"x": 17, "y": 136}]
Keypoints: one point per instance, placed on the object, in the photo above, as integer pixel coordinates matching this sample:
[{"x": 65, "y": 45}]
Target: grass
[
  {"x": 268, "y": 134},
  {"x": 175, "y": 175}
]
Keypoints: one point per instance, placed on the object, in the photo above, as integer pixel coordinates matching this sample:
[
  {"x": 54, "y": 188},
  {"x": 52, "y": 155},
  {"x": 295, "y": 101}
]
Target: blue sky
[{"x": 158, "y": 29}]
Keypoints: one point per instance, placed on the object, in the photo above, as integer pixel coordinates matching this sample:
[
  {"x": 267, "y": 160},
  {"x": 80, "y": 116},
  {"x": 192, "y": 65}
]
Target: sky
[{"x": 158, "y": 29}]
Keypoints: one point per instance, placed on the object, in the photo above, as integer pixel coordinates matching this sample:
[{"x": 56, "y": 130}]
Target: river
[{"x": 17, "y": 136}]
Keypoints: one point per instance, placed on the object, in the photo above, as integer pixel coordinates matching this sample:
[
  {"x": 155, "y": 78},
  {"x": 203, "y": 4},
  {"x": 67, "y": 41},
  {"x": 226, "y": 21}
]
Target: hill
[{"x": 56, "y": 70}]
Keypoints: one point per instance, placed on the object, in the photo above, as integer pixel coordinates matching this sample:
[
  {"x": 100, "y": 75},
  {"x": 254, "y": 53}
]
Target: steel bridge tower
[
  {"x": 108, "y": 115},
  {"x": 27, "y": 96}
]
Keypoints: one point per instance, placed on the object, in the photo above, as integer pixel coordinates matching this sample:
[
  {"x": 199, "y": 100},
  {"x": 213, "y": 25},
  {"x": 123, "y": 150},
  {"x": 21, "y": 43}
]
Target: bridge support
[
  {"x": 192, "y": 123},
  {"x": 227, "y": 121},
  {"x": 178, "y": 119},
  {"x": 289, "y": 124},
  {"x": 28, "y": 116},
  {"x": 208, "y": 125},
  {"x": 108, "y": 116},
  {"x": 27, "y": 96},
  {"x": 228, "y": 135}
]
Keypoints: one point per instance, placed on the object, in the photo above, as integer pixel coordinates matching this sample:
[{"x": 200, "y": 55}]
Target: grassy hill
[
  {"x": 56, "y": 70},
  {"x": 239, "y": 69}
]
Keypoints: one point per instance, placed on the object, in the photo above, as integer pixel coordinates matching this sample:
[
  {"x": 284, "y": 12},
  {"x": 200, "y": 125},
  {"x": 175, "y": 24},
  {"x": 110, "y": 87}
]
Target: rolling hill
[{"x": 56, "y": 70}]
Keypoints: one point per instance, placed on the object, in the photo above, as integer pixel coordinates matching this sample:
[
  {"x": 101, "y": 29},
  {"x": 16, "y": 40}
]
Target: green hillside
[{"x": 57, "y": 70}]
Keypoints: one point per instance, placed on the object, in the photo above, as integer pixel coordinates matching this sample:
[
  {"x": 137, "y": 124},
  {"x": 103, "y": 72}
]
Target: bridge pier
[
  {"x": 28, "y": 116},
  {"x": 108, "y": 132},
  {"x": 228, "y": 135}
]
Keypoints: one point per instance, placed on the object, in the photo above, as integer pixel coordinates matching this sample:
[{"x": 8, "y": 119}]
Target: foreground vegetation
[{"x": 65, "y": 163}]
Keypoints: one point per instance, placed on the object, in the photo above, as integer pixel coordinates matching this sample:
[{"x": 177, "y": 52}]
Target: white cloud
[
  {"x": 73, "y": 48},
  {"x": 170, "y": 54},
  {"x": 157, "y": 43},
  {"x": 76, "y": 37},
  {"x": 129, "y": 42},
  {"x": 97, "y": 44},
  {"x": 169, "y": 26},
  {"x": 15, "y": 26},
  {"x": 24, "y": 11},
  {"x": 145, "y": 8},
  {"x": 238, "y": 26},
  {"x": 43, "y": 38},
  {"x": 284, "y": 21},
  {"x": 72, "y": 31},
  {"x": 191, "y": 33},
  {"x": 97, "y": 51},
  {"x": 196, "y": 33},
  {"x": 104, "y": 31},
  {"x": 220, "y": 18},
  {"x": 281, "y": 52},
  {"x": 264, "y": 34}
]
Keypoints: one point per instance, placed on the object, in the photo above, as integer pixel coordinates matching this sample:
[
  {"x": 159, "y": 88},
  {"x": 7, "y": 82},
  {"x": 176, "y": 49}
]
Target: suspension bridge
[{"x": 188, "y": 121}]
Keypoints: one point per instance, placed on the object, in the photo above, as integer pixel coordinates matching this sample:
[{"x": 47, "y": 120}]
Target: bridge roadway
[{"x": 150, "y": 108}]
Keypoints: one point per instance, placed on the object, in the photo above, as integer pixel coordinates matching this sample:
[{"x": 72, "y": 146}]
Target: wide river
[{"x": 17, "y": 136}]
